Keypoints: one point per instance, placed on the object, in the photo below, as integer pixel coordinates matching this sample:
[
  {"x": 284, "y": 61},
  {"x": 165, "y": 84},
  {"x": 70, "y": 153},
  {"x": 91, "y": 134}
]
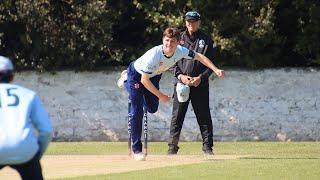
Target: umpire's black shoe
[
  {"x": 173, "y": 150},
  {"x": 208, "y": 152}
]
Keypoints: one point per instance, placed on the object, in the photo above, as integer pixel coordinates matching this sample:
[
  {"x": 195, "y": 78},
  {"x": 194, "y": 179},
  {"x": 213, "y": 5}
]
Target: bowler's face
[
  {"x": 169, "y": 45},
  {"x": 193, "y": 25}
]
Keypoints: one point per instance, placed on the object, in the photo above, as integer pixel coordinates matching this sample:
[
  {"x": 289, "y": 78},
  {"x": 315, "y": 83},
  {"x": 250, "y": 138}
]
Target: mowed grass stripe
[
  {"x": 262, "y": 149},
  {"x": 227, "y": 169},
  {"x": 267, "y": 160}
]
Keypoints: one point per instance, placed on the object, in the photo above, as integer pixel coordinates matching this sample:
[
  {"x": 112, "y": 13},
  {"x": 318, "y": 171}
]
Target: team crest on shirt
[
  {"x": 136, "y": 85},
  {"x": 201, "y": 43}
]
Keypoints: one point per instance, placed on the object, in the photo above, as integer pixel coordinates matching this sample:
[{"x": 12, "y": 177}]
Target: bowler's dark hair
[{"x": 171, "y": 32}]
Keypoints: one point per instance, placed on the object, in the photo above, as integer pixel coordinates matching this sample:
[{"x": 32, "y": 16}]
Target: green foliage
[
  {"x": 50, "y": 34},
  {"x": 86, "y": 35},
  {"x": 308, "y": 36}
]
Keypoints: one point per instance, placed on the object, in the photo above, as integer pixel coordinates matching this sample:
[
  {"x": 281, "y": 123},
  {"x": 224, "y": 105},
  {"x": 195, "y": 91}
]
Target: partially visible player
[
  {"x": 142, "y": 77},
  {"x": 20, "y": 111}
]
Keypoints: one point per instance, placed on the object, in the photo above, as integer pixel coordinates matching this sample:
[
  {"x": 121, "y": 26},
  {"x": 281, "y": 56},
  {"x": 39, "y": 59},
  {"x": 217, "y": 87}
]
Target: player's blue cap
[
  {"x": 192, "y": 15},
  {"x": 5, "y": 64}
]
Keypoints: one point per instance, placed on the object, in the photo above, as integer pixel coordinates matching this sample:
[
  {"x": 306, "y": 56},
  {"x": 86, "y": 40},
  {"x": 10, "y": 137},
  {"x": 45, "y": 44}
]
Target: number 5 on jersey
[{"x": 15, "y": 99}]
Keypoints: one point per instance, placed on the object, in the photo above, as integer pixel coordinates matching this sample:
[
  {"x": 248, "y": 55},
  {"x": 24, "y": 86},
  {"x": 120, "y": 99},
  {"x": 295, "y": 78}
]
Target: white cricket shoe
[
  {"x": 122, "y": 79},
  {"x": 139, "y": 157}
]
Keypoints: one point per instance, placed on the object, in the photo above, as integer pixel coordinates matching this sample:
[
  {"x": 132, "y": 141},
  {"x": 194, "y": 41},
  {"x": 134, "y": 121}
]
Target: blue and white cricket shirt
[
  {"x": 154, "y": 62},
  {"x": 20, "y": 111}
]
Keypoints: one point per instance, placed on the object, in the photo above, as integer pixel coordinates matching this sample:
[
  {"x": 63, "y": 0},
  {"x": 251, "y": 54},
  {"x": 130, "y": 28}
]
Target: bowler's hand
[
  {"x": 195, "y": 81},
  {"x": 186, "y": 79},
  {"x": 220, "y": 73},
  {"x": 164, "y": 98}
]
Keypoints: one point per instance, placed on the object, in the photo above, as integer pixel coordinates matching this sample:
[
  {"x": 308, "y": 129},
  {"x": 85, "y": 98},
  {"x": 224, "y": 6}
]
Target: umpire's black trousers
[{"x": 199, "y": 97}]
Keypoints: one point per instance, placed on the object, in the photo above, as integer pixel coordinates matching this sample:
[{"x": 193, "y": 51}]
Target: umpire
[{"x": 195, "y": 75}]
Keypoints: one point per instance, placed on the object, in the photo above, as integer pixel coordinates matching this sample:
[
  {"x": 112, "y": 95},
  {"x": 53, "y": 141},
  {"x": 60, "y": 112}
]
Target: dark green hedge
[{"x": 87, "y": 35}]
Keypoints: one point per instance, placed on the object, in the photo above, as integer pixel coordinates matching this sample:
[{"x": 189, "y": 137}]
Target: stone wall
[{"x": 275, "y": 104}]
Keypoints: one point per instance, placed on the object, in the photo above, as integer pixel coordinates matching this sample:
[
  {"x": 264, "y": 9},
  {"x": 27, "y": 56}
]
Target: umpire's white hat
[
  {"x": 183, "y": 92},
  {"x": 5, "y": 64}
]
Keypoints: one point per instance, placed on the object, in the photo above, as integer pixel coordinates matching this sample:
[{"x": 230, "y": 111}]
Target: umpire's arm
[{"x": 210, "y": 54}]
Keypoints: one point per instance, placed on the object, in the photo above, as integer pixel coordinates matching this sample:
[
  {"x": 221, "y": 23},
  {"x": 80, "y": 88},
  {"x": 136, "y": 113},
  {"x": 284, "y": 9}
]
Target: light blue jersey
[
  {"x": 154, "y": 62},
  {"x": 20, "y": 111}
]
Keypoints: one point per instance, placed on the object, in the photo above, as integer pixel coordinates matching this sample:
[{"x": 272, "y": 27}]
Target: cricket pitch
[{"x": 62, "y": 166}]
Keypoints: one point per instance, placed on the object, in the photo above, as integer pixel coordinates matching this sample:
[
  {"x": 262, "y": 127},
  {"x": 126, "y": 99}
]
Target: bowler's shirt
[
  {"x": 20, "y": 111},
  {"x": 154, "y": 61}
]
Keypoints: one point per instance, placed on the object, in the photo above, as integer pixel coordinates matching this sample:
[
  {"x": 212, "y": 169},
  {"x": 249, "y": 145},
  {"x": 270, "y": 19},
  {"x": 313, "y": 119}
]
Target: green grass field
[{"x": 264, "y": 160}]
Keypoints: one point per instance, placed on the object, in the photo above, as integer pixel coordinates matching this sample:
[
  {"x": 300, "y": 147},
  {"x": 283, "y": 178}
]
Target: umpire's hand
[
  {"x": 185, "y": 79},
  {"x": 195, "y": 81}
]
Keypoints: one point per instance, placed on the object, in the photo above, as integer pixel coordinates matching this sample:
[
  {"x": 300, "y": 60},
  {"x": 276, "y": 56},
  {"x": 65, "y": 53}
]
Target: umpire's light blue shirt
[{"x": 20, "y": 111}]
